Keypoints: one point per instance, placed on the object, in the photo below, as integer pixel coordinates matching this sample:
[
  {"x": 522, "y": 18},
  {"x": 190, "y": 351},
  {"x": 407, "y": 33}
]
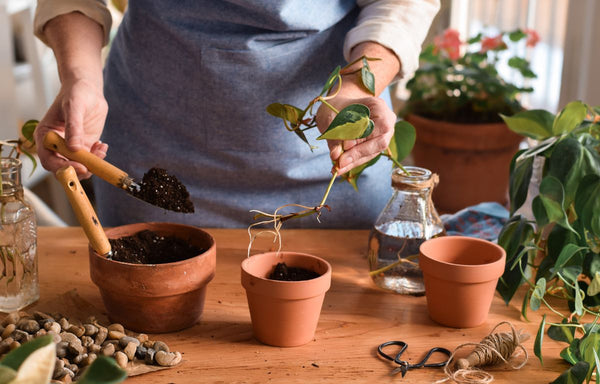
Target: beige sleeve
[
  {"x": 49, "y": 9},
  {"x": 400, "y": 25}
]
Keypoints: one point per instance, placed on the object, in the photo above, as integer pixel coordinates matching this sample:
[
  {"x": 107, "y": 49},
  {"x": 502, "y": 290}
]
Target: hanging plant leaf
[
  {"x": 367, "y": 77},
  {"x": 569, "y": 118},
  {"x": 403, "y": 140},
  {"x": 524, "y": 305},
  {"x": 558, "y": 333},
  {"x": 566, "y": 253},
  {"x": 353, "y": 175},
  {"x": 552, "y": 196},
  {"x": 104, "y": 370},
  {"x": 286, "y": 112},
  {"x": 578, "y": 299},
  {"x": 28, "y": 128},
  {"x": 587, "y": 203},
  {"x": 520, "y": 178},
  {"x": 571, "y": 353},
  {"x": 331, "y": 80},
  {"x": 38, "y": 366},
  {"x": 351, "y": 123},
  {"x": 574, "y": 375},
  {"x": 535, "y": 123},
  {"x": 538, "y": 294},
  {"x": 539, "y": 339},
  {"x": 16, "y": 357},
  {"x": 594, "y": 287},
  {"x": 588, "y": 344}
]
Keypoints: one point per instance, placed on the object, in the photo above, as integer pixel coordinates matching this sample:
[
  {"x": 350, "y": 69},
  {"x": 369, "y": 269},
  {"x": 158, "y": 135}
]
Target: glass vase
[
  {"x": 18, "y": 241},
  {"x": 408, "y": 219}
]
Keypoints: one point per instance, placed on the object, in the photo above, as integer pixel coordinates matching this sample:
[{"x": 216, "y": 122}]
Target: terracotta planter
[
  {"x": 156, "y": 298},
  {"x": 472, "y": 160},
  {"x": 460, "y": 275},
  {"x": 284, "y": 313}
]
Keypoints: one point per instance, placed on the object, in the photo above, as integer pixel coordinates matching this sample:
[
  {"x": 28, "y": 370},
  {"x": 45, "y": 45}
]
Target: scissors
[{"x": 404, "y": 365}]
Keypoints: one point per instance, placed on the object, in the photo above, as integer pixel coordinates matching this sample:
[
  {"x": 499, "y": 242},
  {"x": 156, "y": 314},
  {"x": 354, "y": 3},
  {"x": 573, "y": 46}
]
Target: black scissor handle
[
  {"x": 401, "y": 344},
  {"x": 423, "y": 363}
]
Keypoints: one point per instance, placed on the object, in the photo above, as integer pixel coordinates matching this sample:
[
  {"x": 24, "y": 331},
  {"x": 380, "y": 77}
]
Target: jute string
[
  {"x": 415, "y": 186},
  {"x": 495, "y": 348}
]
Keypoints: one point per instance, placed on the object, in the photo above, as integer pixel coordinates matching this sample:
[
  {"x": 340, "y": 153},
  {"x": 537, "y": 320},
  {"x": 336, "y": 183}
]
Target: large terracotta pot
[
  {"x": 460, "y": 275},
  {"x": 472, "y": 160},
  {"x": 284, "y": 313},
  {"x": 156, "y": 298}
]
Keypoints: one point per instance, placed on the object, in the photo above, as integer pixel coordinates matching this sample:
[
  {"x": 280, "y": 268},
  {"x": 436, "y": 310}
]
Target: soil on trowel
[
  {"x": 165, "y": 191},
  {"x": 284, "y": 273},
  {"x": 148, "y": 247}
]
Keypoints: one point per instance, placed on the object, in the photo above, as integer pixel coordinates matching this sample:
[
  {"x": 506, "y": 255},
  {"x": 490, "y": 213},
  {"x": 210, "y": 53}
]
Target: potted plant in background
[
  {"x": 558, "y": 252},
  {"x": 455, "y": 102}
]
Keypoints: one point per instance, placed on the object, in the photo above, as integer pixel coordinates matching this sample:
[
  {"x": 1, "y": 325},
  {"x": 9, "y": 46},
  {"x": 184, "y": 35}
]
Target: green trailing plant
[
  {"x": 459, "y": 81},
  {"x": 557, "y": 254},
  {"x": 352, "y": 122},
  {"x": 33, "y": 363}
]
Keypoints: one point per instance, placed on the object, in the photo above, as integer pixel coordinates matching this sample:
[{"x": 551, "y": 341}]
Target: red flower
[
  {"x": 492, "y": 43},
  {"x": 448, "y": 42},
  {"x": 532, "y": 37}
]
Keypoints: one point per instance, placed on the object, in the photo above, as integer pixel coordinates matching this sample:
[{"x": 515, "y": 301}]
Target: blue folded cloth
[{"x": 484, "y": 221}]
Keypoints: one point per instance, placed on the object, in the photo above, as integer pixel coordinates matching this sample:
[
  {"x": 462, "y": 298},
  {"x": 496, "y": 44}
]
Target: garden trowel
[{"x": 84, "y": 211}]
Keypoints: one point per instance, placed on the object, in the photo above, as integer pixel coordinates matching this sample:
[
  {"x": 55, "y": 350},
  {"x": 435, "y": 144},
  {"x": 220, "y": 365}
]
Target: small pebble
[
  {"x": 86, "y": 341},
  {"x": 142, "y": 337},
  {"x": 77, "y": 330},
  {"x": 40, "y": 316},
  {"x": 30, "y": 326},
  {"x": 8, "y": 330},
  {"x": 149, "y": 358},
  {"x": 101, "y": 335},
  {"x": 121, "y": 359},
  {"x": 108, "y": 350},
  {"x": 40, "y": 333},
  {"x": 115, "y": 335},
  {"x": 11, "y": 318},
  {"x": 90, "y": 359},
  {"x": 140, "y": 352},
  {"x": 116, "y": 327},
  {"x": 130, "y": 350},
  {"x": 5, "y": 345},
  {"x": 79, "y": 358},
  {"x": 160, "y": 346},
  {"x": 14, "y": 345},
  {"x": 167, "y": 359},
  {"x": 64, "y": 323},
  {"x": 125, "y": 340},
  {"x": 90, "y": 329},
  {"x": 94, "y": 348},
  {"x": 53, "y": 326}
]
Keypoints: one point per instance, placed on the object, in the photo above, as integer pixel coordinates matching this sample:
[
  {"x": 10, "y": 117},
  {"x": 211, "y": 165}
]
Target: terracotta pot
[
  {"x": 460, "y": 275},
  {"x": 472, "y": 160},
  {"x": 156, "y": 298},
  {"x": 284, "y": 313}
]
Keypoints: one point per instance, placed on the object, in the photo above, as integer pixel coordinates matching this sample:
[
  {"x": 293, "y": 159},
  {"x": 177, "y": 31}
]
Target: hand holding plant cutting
[{"x": 560, "y": 249}]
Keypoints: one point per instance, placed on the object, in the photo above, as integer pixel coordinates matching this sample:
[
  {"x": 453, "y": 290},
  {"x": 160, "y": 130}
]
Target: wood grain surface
[{"x": 356, "y": 317}]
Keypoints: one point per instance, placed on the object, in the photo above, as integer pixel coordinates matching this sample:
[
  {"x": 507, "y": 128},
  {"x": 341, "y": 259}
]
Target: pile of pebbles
[{"x": 78, "y": 344}]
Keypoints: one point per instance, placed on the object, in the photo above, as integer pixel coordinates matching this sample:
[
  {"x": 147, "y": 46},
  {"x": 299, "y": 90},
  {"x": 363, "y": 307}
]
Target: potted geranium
[
  {"x": 456, "y": 98},
  {"x": 557, "y": 253}
]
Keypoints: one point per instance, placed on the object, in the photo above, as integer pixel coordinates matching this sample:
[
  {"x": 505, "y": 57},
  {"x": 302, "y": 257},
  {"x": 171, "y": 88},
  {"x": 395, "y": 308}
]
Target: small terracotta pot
[
  {"x": 472, "y": 160},
  {"x": 156, "y": 298},
  {"x": 284, "y": 313},
  {"x": 460, "y": 275}
]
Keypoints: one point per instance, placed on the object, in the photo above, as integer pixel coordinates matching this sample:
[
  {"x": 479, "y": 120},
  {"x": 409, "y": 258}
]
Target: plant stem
[
  {"x": 328, "y": 188},
  {"x": 388, "y": 154},
  {"x": 322, "y": 100}
]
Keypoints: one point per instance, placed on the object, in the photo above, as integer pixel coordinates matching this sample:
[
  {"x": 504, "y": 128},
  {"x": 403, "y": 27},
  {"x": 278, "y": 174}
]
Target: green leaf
[
  {"x": 403, "y": 140},
  {"x": 571, "y": 353},
  {"x": 578, "y": 300},
  {"x": 331, "y": 80},
  {"x": 597, "y": 366},
  {"x": 6, "y": 374},
  {"x": 353, "y": 175},
  {"x": 539, "y": 212},
  {"x": 558, "y": 333},
  {"x": 517, "y": 35},
  {"x": 587, "y": 346},
  {"x": 591, "y": 264},
  {"x": 522, "y": 66},
  {"x": 38, "y": 366},
  {"x": 520, "y": 177},
  {"x": 569, "y": 118},
  {"x": 569, "y": 251},
  {"x": 516, "y": 231},
  {"x": 587, "y": 203},
  {"x": 538, "y": 294},
  {"x": 539, "y": 338},
  {"x": 16, "y": 357},
  {"x": 524, "y": 305},
  {"x": 286, "y": 112},
  {"x": 535, "y": 123},
  {"x": 103, "y": 370},
  {"x": 28, "y": 128},
  {"x": 574, "y": 375},
  {"x": 475, "y": 39},
  {"x": 552, "y": 196},
  {"x": 351, "y": 123},
  {"x": 367, "y": 77},
  {"x": 594, "y": 287},
  {"x": 33, "y": 161}
]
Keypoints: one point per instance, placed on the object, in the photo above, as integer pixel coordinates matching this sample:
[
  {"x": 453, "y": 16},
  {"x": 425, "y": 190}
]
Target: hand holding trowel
[{"x": 173, "y": 196}]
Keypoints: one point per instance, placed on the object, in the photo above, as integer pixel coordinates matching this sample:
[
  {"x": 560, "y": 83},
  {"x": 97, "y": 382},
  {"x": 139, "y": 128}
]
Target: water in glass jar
[
  {"x": 18, "y": 261},
  {"x": 393, "y": 256}
]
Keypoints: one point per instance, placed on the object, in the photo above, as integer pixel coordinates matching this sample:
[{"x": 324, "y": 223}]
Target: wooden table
[{"x": 355, "y": 318}]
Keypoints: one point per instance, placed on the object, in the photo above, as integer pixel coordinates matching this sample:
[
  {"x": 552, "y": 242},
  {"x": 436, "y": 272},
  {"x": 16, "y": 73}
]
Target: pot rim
[
  {"x": 150, "y": 225},
  {"x": 465, "y": 239},
  {"x": 266, "y": 254}
]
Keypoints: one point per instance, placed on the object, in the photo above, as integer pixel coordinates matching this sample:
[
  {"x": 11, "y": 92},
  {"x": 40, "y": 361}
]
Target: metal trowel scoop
[
  {"x": 84, "y": 211},
  {"x": 173, "y": 197}
]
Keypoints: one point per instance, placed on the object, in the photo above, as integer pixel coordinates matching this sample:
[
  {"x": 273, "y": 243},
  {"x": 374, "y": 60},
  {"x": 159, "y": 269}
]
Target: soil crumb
[
  {"x": 165, "y": 191},
  {"x": 284, "y": 273},
  {"x": 148, "y": 247}
]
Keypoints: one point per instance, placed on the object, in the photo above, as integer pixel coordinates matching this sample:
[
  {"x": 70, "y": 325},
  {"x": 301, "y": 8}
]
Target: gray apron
[{"x": 187, "y": 84}]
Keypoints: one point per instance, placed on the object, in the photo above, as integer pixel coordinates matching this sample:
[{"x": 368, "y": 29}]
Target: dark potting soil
[
  {"x": 148, "y": 247},
  {"x": 284, "y": 273},
  {"x": 165, "y": 191}
]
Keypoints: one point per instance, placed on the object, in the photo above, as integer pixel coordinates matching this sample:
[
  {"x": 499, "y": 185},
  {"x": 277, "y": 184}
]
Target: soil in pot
[
  {"x": 284, "y": 273},
  {"x": 165, "y": 191},
  {"x": 148, "y": 247}
]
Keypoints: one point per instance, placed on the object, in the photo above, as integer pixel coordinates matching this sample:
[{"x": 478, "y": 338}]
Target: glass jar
[
  {"x": 408, "y": 219},
  {"x": 18, "y": 241}
]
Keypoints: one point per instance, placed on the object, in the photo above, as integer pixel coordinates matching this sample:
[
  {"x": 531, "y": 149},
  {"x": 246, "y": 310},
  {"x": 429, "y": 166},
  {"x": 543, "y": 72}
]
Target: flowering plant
[{"x": 459, "y": 81}]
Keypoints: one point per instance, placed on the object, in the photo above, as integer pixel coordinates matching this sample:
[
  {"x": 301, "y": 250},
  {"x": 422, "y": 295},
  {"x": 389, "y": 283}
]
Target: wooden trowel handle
[
  {"x": 96, "y": 165},
  {"x": 83, "y": 210}
]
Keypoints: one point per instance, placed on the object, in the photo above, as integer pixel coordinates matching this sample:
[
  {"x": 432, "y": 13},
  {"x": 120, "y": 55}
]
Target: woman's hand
[{"x": 78, "y": 114}]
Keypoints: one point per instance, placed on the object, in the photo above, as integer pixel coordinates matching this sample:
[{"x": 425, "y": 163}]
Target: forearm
[{"x": 77, "y": 42}]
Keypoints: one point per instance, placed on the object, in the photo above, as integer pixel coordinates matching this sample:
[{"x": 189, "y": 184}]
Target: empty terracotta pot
[
  {"x": 156, "y": 298},
  {"x": 284, "y": 313},
  {"x": 460, "y": 275}
]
